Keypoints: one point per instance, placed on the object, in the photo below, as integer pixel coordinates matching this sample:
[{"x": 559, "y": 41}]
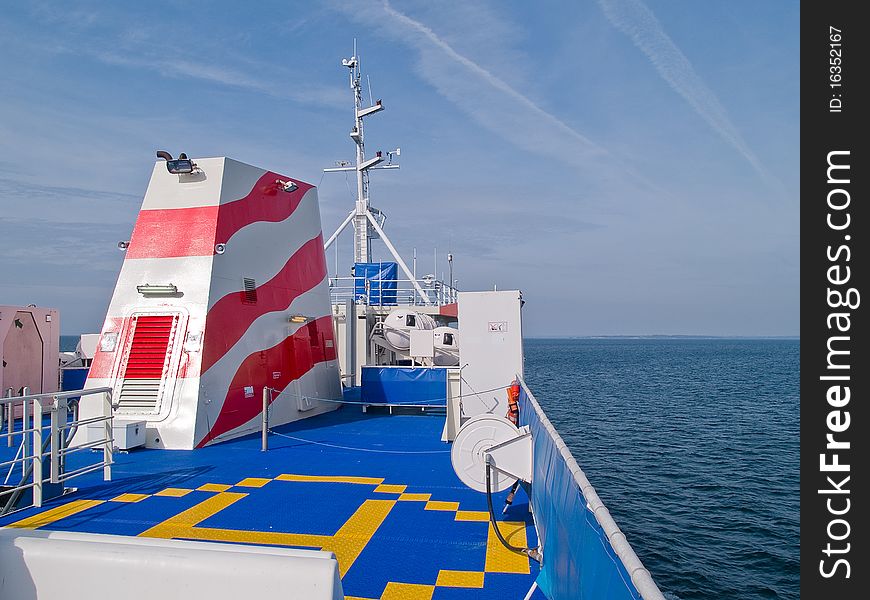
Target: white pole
[
  {"x": 339, "y": 230},
  {"x": 265, "y": 426},
  {"x": 25, "y": 417},
  {"x": 415, "y": 274},
  {"x": 10, "y": 420},
  {"x": 398, "y": 258},
  {"x": 109, "y": 433},
  {"x": 57, "y": 413},
  {"x": 37, "y": 453}
]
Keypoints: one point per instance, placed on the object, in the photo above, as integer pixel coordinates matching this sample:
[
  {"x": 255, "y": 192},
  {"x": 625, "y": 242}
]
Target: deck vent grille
[{"x": 249, "y": 295}]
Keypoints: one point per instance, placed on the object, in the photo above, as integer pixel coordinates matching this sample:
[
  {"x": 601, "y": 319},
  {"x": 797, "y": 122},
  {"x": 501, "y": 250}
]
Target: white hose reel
[{"x": 489, "y": 438}]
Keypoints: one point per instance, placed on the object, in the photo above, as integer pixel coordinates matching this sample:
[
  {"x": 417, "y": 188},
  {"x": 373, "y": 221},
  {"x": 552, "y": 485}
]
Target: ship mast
[{"x": 367, "y": 221}]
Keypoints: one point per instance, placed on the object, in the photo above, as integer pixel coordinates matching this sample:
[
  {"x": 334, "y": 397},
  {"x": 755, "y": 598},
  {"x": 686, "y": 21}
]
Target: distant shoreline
[{"x": 662, "y": 337}]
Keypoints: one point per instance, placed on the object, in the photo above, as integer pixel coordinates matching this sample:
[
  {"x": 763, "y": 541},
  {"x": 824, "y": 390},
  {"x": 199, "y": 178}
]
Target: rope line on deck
[{"x": 363, "y": 403}]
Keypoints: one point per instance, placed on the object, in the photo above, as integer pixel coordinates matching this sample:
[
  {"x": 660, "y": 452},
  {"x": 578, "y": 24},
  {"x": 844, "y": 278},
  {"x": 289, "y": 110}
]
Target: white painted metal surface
[
  {"x": 44, "y": 565},
  {"x": 492, "y": 348},
  {"x": 514, "y": 456},
  {"x": 126, "y": 434},
  {"x": 453, "y": 419},
  {"x": 471, "y": 447},
  {"x": 422, "y": 344}
]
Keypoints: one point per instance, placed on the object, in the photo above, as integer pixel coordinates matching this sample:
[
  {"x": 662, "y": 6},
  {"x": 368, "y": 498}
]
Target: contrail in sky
[{"x": 634, "y": 19}]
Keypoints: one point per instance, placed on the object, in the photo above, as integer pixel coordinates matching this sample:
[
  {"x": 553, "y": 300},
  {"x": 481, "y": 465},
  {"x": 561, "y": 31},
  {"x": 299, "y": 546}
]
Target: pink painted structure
[
  {"x": 223, "y": 292},
  {"x": 30, "y": 344}
]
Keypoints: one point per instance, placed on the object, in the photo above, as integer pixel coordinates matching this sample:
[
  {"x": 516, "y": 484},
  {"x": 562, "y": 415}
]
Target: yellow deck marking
[
  {"x": 254, "y": 482},
  {"x": 415, "y": 497},
  {"x": 239, "y": 536},
  {"x": 130, "y": 498},
  {"x": 387, "y": 488},
  {"x": 214, "y": 487},
  {"x": 182, "y": 523},
  {"x": 174, "y": 492},
  {"x": 331, "y": 479},
  {"x": 349, "y": 541},
  {"x": 407, "y": 591},
  {"x": 501, "y": 560},
  {"x": 472, "y": 515},
  {"x": 461, "y": 579},
  {"x": 439, "y": 505},
  {"x": 55, "y": 514}
]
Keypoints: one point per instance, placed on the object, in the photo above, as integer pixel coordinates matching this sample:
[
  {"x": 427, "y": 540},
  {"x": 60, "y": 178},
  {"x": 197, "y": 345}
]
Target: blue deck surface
[{"x": 332, "y": 481}]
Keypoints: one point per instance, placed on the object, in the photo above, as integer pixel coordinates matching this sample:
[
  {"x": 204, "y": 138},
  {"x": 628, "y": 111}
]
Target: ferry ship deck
[{"x": 377, "y": 489}]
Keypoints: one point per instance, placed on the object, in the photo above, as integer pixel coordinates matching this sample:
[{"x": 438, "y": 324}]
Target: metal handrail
[
  {"x": 53, "y": 444},
  {"x": 437, "y": 291}
]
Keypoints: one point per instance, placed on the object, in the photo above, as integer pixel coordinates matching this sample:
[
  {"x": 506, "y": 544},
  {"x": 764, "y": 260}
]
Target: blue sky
[{"x": 631, "y": 166}]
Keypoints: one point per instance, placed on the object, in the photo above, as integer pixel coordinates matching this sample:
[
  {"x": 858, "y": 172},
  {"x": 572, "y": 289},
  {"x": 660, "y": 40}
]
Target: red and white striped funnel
[{"x": 223, "y": 292}]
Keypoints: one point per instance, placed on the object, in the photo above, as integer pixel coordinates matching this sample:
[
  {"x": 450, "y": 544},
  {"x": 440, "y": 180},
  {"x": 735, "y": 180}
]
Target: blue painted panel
[
  {"x": 381, "y": 278},
  {"x": 401, "y": 385},
  {"x": 73, "y": 379},
  {"x": 579, "y": 561}
]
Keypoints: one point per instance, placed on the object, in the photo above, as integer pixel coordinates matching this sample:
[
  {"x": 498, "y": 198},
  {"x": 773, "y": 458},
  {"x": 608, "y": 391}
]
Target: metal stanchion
[{"x": 266, "y": 396}]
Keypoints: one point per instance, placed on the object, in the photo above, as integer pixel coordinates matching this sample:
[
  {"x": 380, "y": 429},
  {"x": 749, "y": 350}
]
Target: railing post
[
  {"x": 58, "y": 420},
  {"x": 265, "y": 433},
  {"x": 109, "y": 436},
  {"x": 10, "y": 418},
  {"x": 25, "y": 417},
  {"x": 37, "y": 453}
]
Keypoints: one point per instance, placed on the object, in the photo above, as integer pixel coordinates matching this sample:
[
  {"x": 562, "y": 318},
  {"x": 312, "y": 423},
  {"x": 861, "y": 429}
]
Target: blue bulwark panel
[
  {"x": 404, "y": 385},
  {"x": 579, "y": 561},
  {"x": 381, "y": 280}
]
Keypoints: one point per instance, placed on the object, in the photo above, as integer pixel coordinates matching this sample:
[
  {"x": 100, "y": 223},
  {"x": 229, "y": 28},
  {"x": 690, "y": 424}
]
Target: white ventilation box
[{"x": 126, "y": 434}]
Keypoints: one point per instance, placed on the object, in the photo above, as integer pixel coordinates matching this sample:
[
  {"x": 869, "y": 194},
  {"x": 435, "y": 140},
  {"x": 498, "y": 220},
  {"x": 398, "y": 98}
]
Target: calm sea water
[
  {"x": 68, "y": 343},
  {"x": 693, "y": 446}
]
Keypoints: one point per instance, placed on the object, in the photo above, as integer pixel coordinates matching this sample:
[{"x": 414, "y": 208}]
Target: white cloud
[{"x": 280, "y": 85}]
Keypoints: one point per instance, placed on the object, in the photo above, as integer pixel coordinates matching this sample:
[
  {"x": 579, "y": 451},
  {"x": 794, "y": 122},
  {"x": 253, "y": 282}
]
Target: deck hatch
[{"x": 146, "y": 362}]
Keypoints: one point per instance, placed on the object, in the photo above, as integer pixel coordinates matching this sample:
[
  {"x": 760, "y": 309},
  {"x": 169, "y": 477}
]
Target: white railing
[
  {"x": 38, "y": 442},
  {"x": 437, "y": 292}
]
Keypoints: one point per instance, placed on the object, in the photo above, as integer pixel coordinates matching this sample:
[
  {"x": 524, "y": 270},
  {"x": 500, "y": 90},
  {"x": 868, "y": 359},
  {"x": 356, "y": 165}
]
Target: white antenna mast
[{"x": 367, "y": 221}]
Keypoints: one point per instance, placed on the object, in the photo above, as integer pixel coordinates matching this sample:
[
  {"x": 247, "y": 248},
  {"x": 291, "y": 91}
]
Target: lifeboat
[
  {"x": 400, "y": 322},
  {"x": 446, "y": 346}
]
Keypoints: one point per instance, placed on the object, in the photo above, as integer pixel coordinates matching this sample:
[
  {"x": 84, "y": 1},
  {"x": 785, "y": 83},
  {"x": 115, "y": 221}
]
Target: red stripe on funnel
[
  {"x": 275, "y": 367},
  {"x": 267, "y": 201},
  {"x": 231, "y": 316},
  {"x": 174, "y": 232}
]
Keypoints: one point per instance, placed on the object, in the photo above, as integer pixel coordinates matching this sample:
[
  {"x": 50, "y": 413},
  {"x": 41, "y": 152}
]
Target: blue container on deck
[{"x": 381, "y": 280}]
